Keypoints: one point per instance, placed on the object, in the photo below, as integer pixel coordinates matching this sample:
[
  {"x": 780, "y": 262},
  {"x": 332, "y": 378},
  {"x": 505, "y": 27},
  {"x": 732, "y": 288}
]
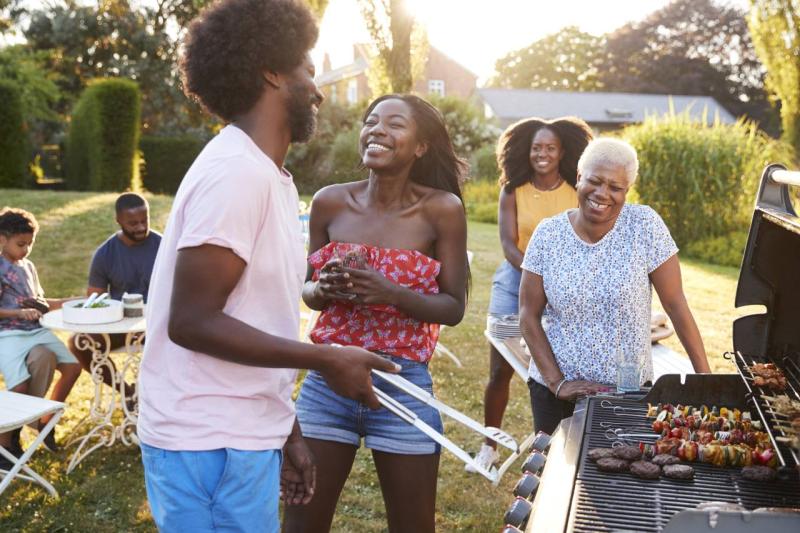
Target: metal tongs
[{"x": 408, "y": 416}]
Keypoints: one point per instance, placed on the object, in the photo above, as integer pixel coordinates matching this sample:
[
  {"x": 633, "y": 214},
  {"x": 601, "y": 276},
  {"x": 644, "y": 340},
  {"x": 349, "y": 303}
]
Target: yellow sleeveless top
[{"x": 534, "y": 205}]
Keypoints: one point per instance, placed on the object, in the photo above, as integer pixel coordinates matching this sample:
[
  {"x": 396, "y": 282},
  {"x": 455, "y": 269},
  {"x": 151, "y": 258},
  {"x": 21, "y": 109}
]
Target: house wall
[{"x": 458, "y": 81}]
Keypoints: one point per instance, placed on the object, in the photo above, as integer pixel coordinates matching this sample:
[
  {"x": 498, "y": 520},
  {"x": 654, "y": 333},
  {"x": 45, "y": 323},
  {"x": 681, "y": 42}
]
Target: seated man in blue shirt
[{"x": 123, "y": 263}]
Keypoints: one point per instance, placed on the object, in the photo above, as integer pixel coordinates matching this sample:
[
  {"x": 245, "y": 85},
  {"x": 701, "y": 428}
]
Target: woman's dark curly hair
[
  {"x": 514, "y": 149},
  {"x": 231, "y": 44},
  {"x": 17, "y": 222},
  {"x": 440, "y": 167}
]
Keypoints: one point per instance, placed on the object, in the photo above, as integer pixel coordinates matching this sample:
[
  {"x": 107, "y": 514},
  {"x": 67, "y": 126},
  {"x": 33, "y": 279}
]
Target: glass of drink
[{"x": 628, "y": 371}]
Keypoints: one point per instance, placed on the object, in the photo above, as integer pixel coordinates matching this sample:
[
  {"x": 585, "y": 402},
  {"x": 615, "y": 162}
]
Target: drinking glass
[{"x": 628, "y": 371}]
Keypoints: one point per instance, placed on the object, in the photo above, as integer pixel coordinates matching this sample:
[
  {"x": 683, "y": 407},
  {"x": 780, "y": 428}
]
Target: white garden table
[{"x": 106, "y": 430}]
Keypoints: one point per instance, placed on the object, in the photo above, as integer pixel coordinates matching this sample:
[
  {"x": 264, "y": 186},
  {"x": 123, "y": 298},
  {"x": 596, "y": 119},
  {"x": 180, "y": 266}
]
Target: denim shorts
[
  {"x": 212, "y": 490},
  {"x": 505, "y": 290},
  {"x": 325, "y": 415}
]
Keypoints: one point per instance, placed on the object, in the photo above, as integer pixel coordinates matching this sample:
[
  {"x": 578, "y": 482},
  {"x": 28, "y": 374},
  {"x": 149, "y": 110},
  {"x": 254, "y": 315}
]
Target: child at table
[{"x": 24, "y": 344}]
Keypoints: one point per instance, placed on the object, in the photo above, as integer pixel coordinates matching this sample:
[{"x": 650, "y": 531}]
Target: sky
[{"x": 478, "y": 32}]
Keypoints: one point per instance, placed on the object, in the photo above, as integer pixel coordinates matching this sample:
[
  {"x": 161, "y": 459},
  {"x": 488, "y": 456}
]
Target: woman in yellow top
[{"x": 538, "y": 163}]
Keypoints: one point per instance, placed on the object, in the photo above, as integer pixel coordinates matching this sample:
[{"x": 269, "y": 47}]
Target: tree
[
  {"x": 317, "y": 7},
  {"x": 567, "y": 60},
  {"x": 37, "y": 88},
  {"x": 114, "y": 39},
  {"x": 689, "y": 47},
  {"x": 775, "y": 25},
  {"x": 392, "y": 29}
]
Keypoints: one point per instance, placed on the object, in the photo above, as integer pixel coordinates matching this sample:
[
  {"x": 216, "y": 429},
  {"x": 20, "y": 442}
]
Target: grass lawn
[{"x": 106, "y": 491}]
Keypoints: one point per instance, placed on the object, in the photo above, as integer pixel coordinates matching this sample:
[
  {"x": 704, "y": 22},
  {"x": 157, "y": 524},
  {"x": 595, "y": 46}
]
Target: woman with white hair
[{"x": 586, "y": 287}]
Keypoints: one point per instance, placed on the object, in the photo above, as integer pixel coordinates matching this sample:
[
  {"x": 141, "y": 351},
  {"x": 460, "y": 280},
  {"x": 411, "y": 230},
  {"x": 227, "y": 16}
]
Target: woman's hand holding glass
[
  {"x": 334, "y": 282},
  {"x": 572, "y": 390},
  {"x": 369, "y": 286}
]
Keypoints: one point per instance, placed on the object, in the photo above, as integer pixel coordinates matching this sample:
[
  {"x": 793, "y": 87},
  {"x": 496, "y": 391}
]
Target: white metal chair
[{"x": 16, "y": 410}]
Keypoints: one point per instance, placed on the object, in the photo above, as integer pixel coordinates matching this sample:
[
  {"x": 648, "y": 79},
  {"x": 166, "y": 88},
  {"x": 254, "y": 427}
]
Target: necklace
[{"x": 552, "y": 188}]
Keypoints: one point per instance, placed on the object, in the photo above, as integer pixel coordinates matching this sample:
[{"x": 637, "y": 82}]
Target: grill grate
[
  {"x": 621, "y": 502},
  {"x": 762, "y": 404}
]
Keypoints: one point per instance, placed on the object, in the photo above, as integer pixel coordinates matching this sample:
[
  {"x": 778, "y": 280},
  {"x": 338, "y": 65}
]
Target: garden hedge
[
  {"x": 103, "y": 139},
  {"x": 14, "y": 145},
  {"x": 166, "y": 160},
  {"x": 701, "y": 178}
]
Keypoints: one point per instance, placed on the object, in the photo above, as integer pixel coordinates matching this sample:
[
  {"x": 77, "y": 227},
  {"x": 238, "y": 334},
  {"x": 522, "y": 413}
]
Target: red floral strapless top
[{"x": 381, "y": 328}]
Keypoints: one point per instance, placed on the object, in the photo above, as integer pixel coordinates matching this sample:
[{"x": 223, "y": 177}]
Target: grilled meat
[
  {"x": 758, "y": 473},
  {"x": 596, "y": 454},
  {"x": 612, "y": 464},
  {"x": 767, "y": 375},
  {"x": 628, "y": 453},
  {"x": 676, "y": 471},
  {"x": 664, "y": 459},
  {"x": 645, "y": 470}
]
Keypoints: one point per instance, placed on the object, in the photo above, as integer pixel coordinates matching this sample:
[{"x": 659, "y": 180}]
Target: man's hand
[
  {"x": 370, "y": 286},
  {"x": 299, "y": 473},
  {"x": 29, "y": 314},
  {"x": 348, "y": 373}
]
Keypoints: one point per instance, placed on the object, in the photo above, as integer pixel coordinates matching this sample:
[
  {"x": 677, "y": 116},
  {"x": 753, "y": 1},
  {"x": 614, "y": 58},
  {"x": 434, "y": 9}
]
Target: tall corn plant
[{"x": 701, "y": 178}]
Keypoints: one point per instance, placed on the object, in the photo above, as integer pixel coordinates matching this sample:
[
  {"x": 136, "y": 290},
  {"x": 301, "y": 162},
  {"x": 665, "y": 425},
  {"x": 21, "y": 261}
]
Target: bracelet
[{"x": 558, "y": 387}]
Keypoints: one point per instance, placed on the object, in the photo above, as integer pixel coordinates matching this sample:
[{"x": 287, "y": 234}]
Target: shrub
[
  {"x": 484, "y": 164},
  {"x": 13, "y": 138},
  {"x": 166, "y": 160},
  {"x": 314, "y": 164},
  {"x": 343, "y": 161},
  {"x": 726, "y": 250},
  {"x": 102, "y": 144},
  {"x": 468, "y": 127},
  {"x": 701, "y": 178},
  {"x": 480, "y": 200}
]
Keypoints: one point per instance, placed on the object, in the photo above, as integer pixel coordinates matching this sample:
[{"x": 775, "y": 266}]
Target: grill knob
[
  {"x": 534, "y": 463},
  {"x": 518, "y": 512},
  {"x": 541, "y": 442},
  {"x": 510, "y": 529},
  {"x": 526, "y": 486}
]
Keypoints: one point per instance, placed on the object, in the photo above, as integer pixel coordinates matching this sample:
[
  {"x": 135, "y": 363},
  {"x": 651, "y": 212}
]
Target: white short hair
[{"x": 610, "y": 152}]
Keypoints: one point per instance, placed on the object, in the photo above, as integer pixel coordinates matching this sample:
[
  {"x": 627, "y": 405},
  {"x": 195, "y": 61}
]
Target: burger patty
[
  {"x": 612, "y": 464},
  {"x": 758, "y": 473},
  {"x": 628, "y": 453},
  {"x": 678, "y": 471},
  {"x": 596, "y": 454},
  {"x": 645, "y": 470},
  {"x": 664, "y": 459}
]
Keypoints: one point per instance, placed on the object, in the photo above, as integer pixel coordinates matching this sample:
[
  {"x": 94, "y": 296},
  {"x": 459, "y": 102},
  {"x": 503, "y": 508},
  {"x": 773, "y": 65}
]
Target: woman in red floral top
[{"x": 388, "y": 264}]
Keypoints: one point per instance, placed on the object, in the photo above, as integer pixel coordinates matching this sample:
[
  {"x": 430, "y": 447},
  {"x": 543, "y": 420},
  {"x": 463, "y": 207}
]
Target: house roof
[
  {"x": 510, "y": 105},
  {"x": 352, "y": 70}
]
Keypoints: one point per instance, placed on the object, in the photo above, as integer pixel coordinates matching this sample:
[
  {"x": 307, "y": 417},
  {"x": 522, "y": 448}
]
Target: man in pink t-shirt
[{"x": 216, "y": 416}]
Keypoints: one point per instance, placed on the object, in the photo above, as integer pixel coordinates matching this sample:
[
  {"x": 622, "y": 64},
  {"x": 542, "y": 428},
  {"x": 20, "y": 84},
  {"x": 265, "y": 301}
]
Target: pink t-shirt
[{"x": 235, "y": 197}]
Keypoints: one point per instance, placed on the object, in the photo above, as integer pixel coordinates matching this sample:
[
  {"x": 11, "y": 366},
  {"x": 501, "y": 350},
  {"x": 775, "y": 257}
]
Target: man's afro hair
[{"x": 231, "y": 44}]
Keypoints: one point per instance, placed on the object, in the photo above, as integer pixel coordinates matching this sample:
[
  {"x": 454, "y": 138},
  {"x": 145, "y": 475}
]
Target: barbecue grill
[{"x": 571, "y": 494}]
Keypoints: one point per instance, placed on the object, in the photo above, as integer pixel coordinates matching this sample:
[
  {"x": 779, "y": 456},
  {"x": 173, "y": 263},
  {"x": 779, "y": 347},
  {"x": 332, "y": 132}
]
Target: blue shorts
[
  {"x": 505, "y": 290},
  {"x": 214, "y": 490},
  {"x": 14, "y": 348},
  {"x": 325, "y": 415}
]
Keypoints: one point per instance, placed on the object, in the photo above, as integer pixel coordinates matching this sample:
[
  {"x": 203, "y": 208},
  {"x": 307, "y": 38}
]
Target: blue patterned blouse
[{"x": 598, "y": 294}]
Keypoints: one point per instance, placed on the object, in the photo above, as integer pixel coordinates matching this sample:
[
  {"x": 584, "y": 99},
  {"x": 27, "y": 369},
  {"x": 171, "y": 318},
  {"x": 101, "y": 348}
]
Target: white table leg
[{"x": 107, "y": 400}]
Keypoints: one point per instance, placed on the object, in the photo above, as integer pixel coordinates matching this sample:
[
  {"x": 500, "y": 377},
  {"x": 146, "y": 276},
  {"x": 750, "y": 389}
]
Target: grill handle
[
  {"x": 787, "y": 177},
  {"x": 773, "y": 193}
]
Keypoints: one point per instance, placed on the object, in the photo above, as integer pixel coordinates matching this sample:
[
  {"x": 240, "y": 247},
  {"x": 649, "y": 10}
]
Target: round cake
[{"x": 105, "y": 312}]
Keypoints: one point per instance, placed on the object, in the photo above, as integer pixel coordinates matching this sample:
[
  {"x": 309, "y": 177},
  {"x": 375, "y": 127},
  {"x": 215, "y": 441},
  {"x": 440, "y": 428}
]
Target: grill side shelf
[{"x": 766, "y": 413}]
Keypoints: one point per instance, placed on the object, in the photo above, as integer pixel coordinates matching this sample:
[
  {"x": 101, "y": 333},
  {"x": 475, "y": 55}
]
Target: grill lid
[{"x": 770, "y": 272}]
